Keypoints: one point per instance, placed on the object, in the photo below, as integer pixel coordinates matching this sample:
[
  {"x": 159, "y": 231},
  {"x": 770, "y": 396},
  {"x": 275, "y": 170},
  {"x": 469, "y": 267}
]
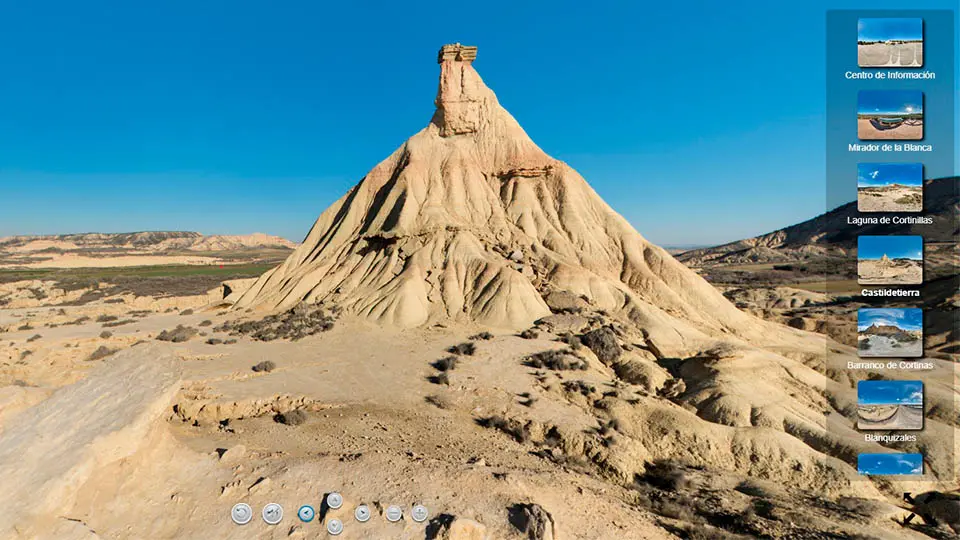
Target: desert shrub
[
  {"x": 207, "y": 322},
  {"x": 556, "y": 360},
  {"x": 603, "y": 343},
  {"x": 229, "y": 341},
  {"x": 440, "y": 378},
  {"x": 466, "y": 348},
  {"x": 33, "y": 338},
  {"x": 297, "y": 323},
  {"x": 530, "y": 333},
  {"x": 25, "y": 354},
  {"x": 77, "y": 321},
  {"x": 25, "y": 326},
  {"x": 114, "y": 301},
  {"x": 186, "y": 312},
  {"x": 177, "y": 335},
  {"x": 106, "y": 318},
  {"x": 115, "y": 324},
  {"x": 482, "y": 335},
  {"x": 437, "y": 401},
  {"x": 446, "y": 364},
  {"x": 101, "y": 352},
  {"x": 295, "y": 417},
  {"x": 665, "y": 475},
  {"x": 511, "y": 426},
  {"x": 106, "y": 334},
  {"x": 266, "y": 365},
  {"x": 214, "y": 341}
]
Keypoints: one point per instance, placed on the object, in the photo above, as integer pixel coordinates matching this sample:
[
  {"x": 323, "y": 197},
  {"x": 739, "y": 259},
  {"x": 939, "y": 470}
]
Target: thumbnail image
[
  {"x": 890, "y": 464},
  {"x": 890, "y": 114},
  {"x": 890, "y": 187},
  {"x": 890, "y": 42},
  {"x": 890, "y": 332},
  {"x": 890, "y": 260},
  {"x": 889, "y": 405}
]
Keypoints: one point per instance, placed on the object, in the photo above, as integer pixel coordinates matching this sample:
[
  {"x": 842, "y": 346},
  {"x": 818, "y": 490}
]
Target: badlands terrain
[
  {"x": 471, "y": 327},
  {"x": 892, "y": 198}
]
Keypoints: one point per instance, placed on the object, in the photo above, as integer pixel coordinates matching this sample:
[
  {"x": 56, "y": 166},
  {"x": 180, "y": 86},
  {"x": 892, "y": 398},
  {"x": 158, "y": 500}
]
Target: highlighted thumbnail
[
  {"x": 890, "y": 114},
  {"x": 890, "y": 187},
  {"x": 890, "y": 260},
  {"x": 890, "y": 43},
  {"x": 889, "y": 405},
  {"x": 890, "y": 464},
  {"x": 890, "y": 332}
]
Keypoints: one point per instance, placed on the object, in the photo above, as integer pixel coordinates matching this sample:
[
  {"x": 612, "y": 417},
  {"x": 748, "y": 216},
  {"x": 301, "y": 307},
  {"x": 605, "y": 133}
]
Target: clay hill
[
  {"x": 469, "y": 219},
  {"x": 829, "y": 234}
]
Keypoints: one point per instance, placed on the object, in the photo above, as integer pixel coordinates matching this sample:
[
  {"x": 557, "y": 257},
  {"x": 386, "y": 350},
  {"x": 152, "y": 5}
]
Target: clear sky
[
  {"x": 701, "y": 121},
  {"x": 880, "y": 392},
  {"x": 889, "y": 101},
  {"x": 901, "y": 29},
  {"x": 894, "y": 247},
  {"x": 910, "y": 319},
  {"x": 884, "y": 174}
]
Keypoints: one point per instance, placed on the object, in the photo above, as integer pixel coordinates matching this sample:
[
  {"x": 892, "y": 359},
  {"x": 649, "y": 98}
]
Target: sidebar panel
[{"x": 890, "y": 155}]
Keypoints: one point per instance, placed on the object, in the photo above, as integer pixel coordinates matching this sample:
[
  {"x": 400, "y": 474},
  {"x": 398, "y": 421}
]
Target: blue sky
[
  {"x": 910, "y": 319},
  {"x": 235, "y": 117},
  {"x": 889, "y": 101},
  {"x": 881, "y": 392},
  {"x": 892, "y": 463},
  {"x": 883, "y": 29},
  {"x": 884, "y": 174},
  {"x": 894, "y": 247}
]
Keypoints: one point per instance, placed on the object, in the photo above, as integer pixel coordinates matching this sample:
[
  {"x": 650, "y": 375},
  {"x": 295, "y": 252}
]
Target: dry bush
[
  {"x": 25, "y": 327},
  {"x": 556, "y": 360},
  {"x": 295, "y": 417},
  {"x": 511, "y": 426},
  {"x": 266, "y": 365},
  {"x": 297, "y": 323},
  {"x": 466, "y": 349},
  {"x": 106, "y": 334},
  {"x": 207, "y": 322},
  {"x": 214, "y": 341},
  {"x": 603, "y": 343},
  {"x": 482, "y": 335},
  {"x": 186, "y": 312},
  {"x": 117, "y": 323},
  {"x": 446, "y": 364},
  {"x": 33, "y": 338},
  {"x": 106, "y": 318},
  {"x": 440, "y": 378},
  {"x": 530, "y": 333},
  {"x": 178, "y": 335}
]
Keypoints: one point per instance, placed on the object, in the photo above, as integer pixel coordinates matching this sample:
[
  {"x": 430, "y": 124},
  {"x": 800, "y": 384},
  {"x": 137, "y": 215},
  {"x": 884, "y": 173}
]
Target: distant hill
[
  {"x": 146, "y": 241},
  {"x": 830, "y": 234}
]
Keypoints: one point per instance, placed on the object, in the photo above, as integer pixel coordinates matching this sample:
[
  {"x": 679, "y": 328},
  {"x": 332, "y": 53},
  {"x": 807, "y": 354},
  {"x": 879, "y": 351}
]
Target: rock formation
[{"x": 470, "y": 220}]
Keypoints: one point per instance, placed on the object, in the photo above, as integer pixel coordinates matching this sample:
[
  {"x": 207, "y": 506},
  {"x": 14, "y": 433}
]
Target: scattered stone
[
  {"x": 565, "y": 302},
  {"x": 266, "y": 365},
  {"x": 533, "y": 521}
]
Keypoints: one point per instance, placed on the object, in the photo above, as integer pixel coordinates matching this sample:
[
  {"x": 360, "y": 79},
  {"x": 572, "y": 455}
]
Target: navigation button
[
  {"x": 272, "y": 513},
  {"x": 334, "y": 500},
  {"x": 393, "y": 513},
  {"x": 362, "y": 513},
  {"x": 419, "y": 513},
  {"x": 306, "y": 513},
  {"x": 241, "y": 514},
  {"x": 334, "y": 527}
]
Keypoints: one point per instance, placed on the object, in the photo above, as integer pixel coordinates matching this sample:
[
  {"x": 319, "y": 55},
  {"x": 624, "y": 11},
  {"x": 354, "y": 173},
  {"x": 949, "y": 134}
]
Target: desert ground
[
  {"x": 503, "y": 348},
  {"x": 870, "y": 130},
  {"x": 890, "y": 55},
  {"x": 890, "y": 417},
  {"x": 895, "y": 198},
  {"x": 889, "y": 272}
]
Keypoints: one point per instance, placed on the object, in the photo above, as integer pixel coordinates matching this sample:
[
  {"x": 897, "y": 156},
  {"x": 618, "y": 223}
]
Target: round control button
[
  {"x": 334, "y": 527},
  {"x": 362, "y": 513},
  {"x": 306, "y": 513},
  {"x": 393, "y": 513},
  {"x": 334, "y": 500},
  {"x": 241, "y": 514},
  {"x": 272, "y": 513},
  {"x": 419, "y": 513}
]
